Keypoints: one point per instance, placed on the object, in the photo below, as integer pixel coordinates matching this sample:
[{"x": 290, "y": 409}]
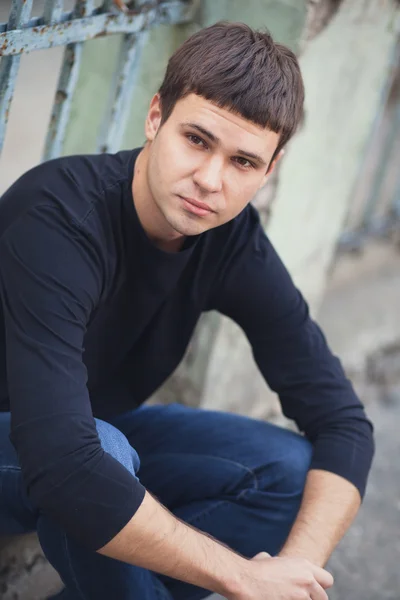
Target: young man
[{"x": 106, "y": 263}]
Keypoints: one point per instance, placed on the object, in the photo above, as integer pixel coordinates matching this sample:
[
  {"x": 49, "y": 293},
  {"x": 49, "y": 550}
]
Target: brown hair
[{"x": 239, "y": 69}]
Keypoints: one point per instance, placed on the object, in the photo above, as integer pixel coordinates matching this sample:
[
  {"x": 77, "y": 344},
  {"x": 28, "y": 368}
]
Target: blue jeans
[{"x": 239, "y": 479}]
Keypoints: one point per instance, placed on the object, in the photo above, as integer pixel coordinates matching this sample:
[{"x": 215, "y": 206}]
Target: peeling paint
[
  {"x": 82, "y": 28},
  {"x": 22, "y": 35}
]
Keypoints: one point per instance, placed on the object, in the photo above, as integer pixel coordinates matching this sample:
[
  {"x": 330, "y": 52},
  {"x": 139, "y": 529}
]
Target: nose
[{"x": 209, "y": 175}]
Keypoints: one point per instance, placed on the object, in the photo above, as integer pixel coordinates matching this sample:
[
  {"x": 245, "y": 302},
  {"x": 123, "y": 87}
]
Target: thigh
[
  {"x": 17, "y": 515},
  {"x": 233, "y": 477},
  {"x": 190, "y": 454}
]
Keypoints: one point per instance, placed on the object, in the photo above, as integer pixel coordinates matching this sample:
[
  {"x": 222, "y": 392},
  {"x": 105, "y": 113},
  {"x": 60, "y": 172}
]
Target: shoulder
[
  {"x": 251, "y": 278},
  {"x": 72, "y": 184}
]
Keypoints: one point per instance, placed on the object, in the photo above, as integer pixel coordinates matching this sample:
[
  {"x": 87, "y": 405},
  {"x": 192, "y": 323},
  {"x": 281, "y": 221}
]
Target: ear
[
  {"x": 153, "y": 119},
  {"x": 272, "y": 167}
]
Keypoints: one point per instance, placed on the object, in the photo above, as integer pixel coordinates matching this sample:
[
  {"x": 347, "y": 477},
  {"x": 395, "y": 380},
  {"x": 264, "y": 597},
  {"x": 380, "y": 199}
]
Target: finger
[
  {"x": 318, "y": 592},
  {"x": 324, "y": 578},
  {"x": 261, "y": 555}
]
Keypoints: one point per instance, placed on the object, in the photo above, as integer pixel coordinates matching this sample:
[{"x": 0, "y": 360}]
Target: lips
[
  {"x": 195, "y": 207},
  {"x": 198, "y": 204}
]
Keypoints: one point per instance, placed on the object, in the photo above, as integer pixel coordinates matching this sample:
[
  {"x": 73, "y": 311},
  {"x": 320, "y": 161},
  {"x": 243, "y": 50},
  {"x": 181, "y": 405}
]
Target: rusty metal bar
[
  {"x": 9, "y": 65},
  {"x": 53, "y": 11},
  {"x": 8, "y": 73},
  {"x": 63, "y": 100},
  {"x": 121, "y": 92},
  {"x": 87, "y": 21},
  {"x": 83, "y": 8},
  {"x": 107, "y": 5},
  {"x": 67, "y": 81},
  {"x": 82, "y": 29},
  {"x": 36, "y": 22},
  {"x": 20, "y": 13}
]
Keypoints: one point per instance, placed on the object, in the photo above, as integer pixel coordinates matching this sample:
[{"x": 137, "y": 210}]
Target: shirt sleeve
[
  {"x": 50, "y": 282},
  {"x": 295, "y": 360}
]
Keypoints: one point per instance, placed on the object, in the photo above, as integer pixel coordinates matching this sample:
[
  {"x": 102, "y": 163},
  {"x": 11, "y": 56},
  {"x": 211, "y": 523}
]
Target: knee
[
  {"x": 114, "y": 442},
  {"x": 292, "y": 465}
]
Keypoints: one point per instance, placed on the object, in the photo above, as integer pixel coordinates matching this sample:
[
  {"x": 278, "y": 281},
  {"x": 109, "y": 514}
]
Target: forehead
[{"x": 229, "y": 127}]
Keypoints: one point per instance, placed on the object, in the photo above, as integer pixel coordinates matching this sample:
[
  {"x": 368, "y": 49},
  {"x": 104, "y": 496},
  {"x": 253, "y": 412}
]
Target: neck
[{"x": 151, "y": 218}]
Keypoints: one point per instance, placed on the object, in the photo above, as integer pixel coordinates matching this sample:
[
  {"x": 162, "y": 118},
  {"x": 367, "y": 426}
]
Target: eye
[
  {"x": 196, "y": 140},
  {"x": 244, "y": 162}
]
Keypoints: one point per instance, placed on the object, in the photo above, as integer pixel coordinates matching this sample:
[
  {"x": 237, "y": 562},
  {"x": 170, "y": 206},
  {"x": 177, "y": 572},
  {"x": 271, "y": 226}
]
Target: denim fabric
[{"x": 239, "y": 479}]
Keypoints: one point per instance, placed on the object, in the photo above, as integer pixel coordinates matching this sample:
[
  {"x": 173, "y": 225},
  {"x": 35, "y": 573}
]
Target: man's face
[{"x": 205, "y": 163}]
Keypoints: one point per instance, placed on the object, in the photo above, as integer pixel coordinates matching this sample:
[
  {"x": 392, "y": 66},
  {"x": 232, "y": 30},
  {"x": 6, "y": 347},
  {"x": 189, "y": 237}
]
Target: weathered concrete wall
[
  {"x": 312, "y": 197},
  {"x": 344, "y": 69}
]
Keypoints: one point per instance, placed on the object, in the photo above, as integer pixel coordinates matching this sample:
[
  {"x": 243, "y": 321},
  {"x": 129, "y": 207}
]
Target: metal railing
[
  {"x": 375, "y": 205},
  {"x": 22, "y": 34}
]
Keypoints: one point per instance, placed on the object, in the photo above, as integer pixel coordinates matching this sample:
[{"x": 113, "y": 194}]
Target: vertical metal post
[
  {"x": 83, "y": 8},
  {"x": 62, "y": 104},
  {"x": 52, "y": 11},
  {"x": 66, "y": 86},
  {"x": 122, "y": 87},
  {"x": 9, "y": 65},
  {"x": 107, "y": 5}
]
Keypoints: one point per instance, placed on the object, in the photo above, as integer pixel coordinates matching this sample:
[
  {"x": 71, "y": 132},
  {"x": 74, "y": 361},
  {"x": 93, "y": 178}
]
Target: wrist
[
  {"x": 298, "y": 552},
  {"x": 231, "y": 582}
]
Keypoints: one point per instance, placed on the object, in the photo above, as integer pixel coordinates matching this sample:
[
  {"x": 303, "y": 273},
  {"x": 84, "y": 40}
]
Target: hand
[{"x": 280, "y": 578}]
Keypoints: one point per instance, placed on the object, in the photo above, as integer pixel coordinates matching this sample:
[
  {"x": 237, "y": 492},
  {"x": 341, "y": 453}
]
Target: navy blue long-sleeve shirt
[{"x": 94, "y": 318}]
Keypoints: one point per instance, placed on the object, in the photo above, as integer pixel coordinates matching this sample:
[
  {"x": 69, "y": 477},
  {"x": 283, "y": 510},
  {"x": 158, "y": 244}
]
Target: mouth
[{"x": 195, "y": 207}]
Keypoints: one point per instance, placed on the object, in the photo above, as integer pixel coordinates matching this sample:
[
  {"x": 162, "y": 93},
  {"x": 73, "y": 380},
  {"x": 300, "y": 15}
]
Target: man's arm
[
  {"x": 154, "y": 539},
  {"x": 329, "y": 506},
  {"x": 292, "y": 354},
  {"x": 49, "y": 282}
]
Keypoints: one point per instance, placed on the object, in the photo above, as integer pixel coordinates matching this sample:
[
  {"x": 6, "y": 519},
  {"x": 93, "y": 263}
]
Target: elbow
[
  {"x": 348, "y": 422},
  {"x": 86, "y": 491},
  {"x": 53, "y": 467},
  {"x": 346, "y": 447},
  {"x": 355, "y": 430}
]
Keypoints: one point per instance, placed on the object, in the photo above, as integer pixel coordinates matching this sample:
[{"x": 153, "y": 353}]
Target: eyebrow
[{"x": 216, "y": 140}]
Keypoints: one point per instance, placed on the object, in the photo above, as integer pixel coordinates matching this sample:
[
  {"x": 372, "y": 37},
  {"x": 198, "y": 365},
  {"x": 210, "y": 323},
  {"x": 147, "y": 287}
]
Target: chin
[{"x": 187, "y": 226}]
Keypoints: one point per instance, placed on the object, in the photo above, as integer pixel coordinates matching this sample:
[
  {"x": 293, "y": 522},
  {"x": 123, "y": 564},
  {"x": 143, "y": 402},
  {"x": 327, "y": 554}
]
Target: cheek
[
  {"x": 173, "y": 161},
  {"x": 239, "y": 191}
]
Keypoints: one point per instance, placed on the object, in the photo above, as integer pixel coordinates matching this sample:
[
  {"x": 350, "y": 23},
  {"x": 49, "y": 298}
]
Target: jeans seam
[
  {"x": 10, "y": 468},
  {"x": 206, "y": 511},
  {"x": 219, "y": 503},
  {"x": 222, "y": 458},
  {"x": 160, "y": 589}
]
